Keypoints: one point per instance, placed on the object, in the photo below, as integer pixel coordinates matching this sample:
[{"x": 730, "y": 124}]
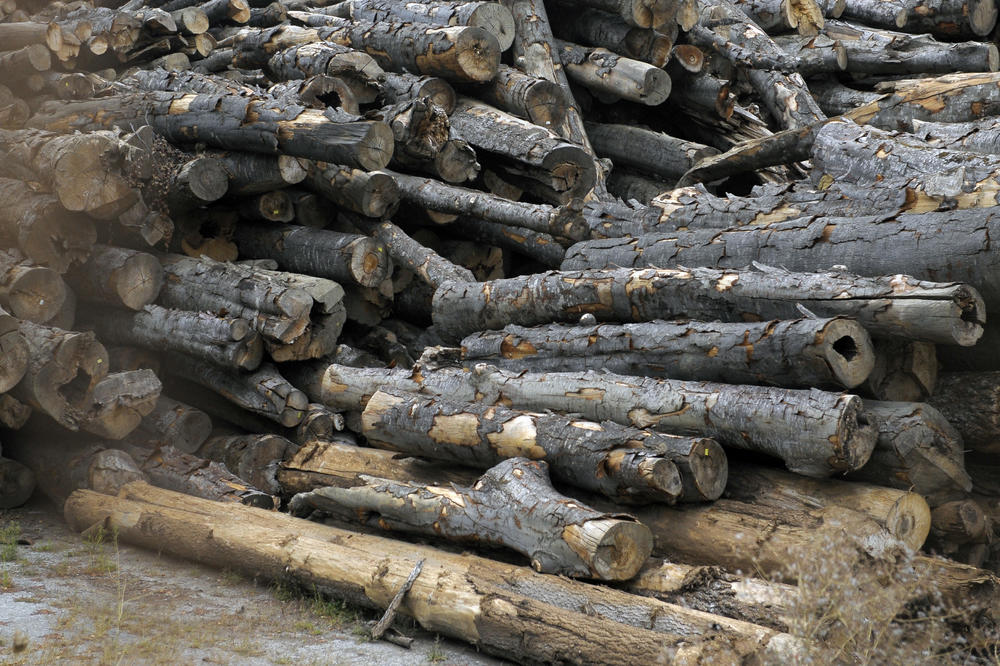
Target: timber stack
[{"x": 657, "y": 295}]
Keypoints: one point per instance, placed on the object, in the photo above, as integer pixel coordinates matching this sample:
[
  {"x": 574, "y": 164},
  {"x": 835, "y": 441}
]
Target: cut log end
[
  {"x": 495, "y": 19},
  {"x": 649, "y": 13},
  {"x": 36, "y": 294},
  {"x": 614, "y": 549},
  {"x": 16, "y": 483},
  {"x": 139, "y": 280},
  {"x": 909, "y": 520},
  {"x": 982, "y": 16},
  {"x": 370, "y": 263},
  {"x": 657, "y": 85},
  {"x": 478, "y": 55},
  {"x": 546, "y": 104},
  {"x": 376, "y": 148},
  {"x": 690, "y": 57},
  {"x": 381, "y": 195},
  {"x": 848, "y": 351},
  {"x": 572, "y": 170},
  {"x": 709, "y": 472},
  {"x": 993, "y": 58}
]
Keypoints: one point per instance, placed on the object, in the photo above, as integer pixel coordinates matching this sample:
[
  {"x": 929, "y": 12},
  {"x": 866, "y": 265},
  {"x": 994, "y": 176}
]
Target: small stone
[{"x": 20, "y": 643}]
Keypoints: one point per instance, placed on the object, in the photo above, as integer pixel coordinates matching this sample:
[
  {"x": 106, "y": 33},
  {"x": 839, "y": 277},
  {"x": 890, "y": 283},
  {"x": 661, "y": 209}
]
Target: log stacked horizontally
[{"x": 594, "y": 283}]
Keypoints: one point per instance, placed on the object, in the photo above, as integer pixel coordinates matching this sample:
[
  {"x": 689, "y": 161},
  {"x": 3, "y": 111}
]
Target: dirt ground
[{"x": 64, "y": 599}]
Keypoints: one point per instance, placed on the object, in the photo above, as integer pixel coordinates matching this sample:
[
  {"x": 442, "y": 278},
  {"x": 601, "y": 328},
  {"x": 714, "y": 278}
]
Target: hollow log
[
  {"x": 619, "y": 462},
  {"x": 236, "y": 122},
  {"x": 264, "y": 391},
  {"x": 177, "y": 424},
  {"x": 904, "y": 371},
  {"x": 561, "y": 536},
  {"x": 119, "y": 402},
  {"x": 371, "y": 194},
  {"x": 905, "y": 515},
  {"x": 917, "y": 449},
  {"x": 63, "y": 369},
  {"x": 467, "y": 607},
  {"x": 30, "y": 292},
  {"x": 253, "y": 458},
  {"x": 969, "y": 402},
  {"x": 349, "y": 258},
  {"x": 41, "y": 228},
  {"x": 822, "y": 353},
  {"x": 118, "y": 276},
  {"x": 948, "y": 312},
  {"x": 529, "y": 150},
  {"x": 224, "y": 341}
]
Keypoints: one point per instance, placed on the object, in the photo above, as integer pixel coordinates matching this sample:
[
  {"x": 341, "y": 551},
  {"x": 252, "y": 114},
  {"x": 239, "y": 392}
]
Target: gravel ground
[{"x": 64, "y": 599}]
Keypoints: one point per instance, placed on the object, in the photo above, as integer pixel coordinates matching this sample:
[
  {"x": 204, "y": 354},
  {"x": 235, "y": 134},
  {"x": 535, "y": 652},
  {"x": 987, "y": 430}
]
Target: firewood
[
  {"x": 968, "y": 401},
  {"x": 610, "y": 76},
  {"x": 320, "y": 424},
  {"x": 651, "y": 152},
  {"x": 561, "y": 626},
  {"x": 916, "y": 449},
  {"x": 905, "y": 515},
  {"x": 600, "y": 28},
  {"x": 781, "y": 15},
  {"x": 904, "y": 371},
  {"x": 118, "y": 276},
  {"x": 197, "y": 183},
  {"x": 403, "y": 86},
  {"x": 17, "y": 483},
  {"x": 14, "y": 353},
  {"x": 974, "y": 137},
  {"x": 563, "y": 537},
  {"x": 823, "y": 353},
  {"x": 118, "y": 403},
  {"x": 539, "y": 100},
  {"x": 541, "y": 247},
  {"x": 18, "y": 35},
  {"x": 950, "y": 19},
  {"x": 253, "y": 458},
  {"x": 225, "y": 341},
  {"x": 266, "y": 17},
  {"x": 30, "y": 292},
  {"x": 273, "y": 206},
  {"x": 371, "y": 194},
  {"x": 490, "y": 16},
  {"x": 41, "y": 228},
  {"x": 642, "y": 295},
  {"x": 13, "y": 413},
  {"x": 191, "y": 20},
  {"x": 959, "y": 522},
  {"x": 343, "y": 257},
  {"x": 629, "y": 185},
  {"x": 264, "y": 391},
  {"x": 812, "y": 55},
  {"x": 900, "y": 103},
  {"x": 248, "y": 123},
  {"x": 430, "y": 266},
  {"x": 177, "y": 424}
]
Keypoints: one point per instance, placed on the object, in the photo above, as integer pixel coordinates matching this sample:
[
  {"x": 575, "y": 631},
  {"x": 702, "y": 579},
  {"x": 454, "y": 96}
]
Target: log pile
[{"x": 652, "y": 294}]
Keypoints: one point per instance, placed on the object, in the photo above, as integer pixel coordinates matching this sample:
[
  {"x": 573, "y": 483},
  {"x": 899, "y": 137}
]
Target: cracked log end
[
  {"x": 376, "y": 148},
  {"x": 478, "y": 55},
  {"x": 380, "y": 196},
  {"x": 36, "y": 294},
  {"x": 546, "y": 104},
  {"x": 369, "y": 262},
  {"x": 614, "y": 549},
  {"x": 495, "y": 19},
  {"x": 706, "y": 472},
  {"x": 848, "y": 351},
  {"x": 138, "y": 282},
  {"x": 909, "y": 520},
  {"x": 572, "y": 170}
]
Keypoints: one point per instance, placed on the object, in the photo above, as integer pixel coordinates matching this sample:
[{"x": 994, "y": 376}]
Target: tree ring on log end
[
  {"x": 847, "y": 349},
  {"x": 709, "y": 470},
  {"x": 478, "y": 55},
  {"x": 376, "y": 147}
]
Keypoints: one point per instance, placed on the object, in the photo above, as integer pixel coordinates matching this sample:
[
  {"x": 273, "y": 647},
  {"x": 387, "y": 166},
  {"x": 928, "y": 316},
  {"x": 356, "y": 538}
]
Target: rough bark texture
[
  {"x": 905, "y": 371},
  {"x": 823, "y": 353},
  {"x": 619, "y": 462},
  {"x": 898, "y": 305},
  {"x": 537, "y": 245},
  {"x": 253, "y": 458},
  {"x": 958, "y": 98},
  {"x": 424, "y": 262},
  {"x": 948, "y": 18},
  {"x": 491, "y": 16},
  {"x": 118, "y": 276},
  {"x": 595, "y": 27},
  {"x": 41, "y": 228},
  {"x": 970, "y": 401},
  {"x": 611, "y": 77},
  {"x": 562, "y": 536}
]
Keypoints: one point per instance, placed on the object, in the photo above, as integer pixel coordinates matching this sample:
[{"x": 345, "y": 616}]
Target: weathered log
[
  {"x": 349, "y": 258},
  {"x": 958, "y": 523},
  {"x": 403, "y": 86},
  {"x": 266, "y": 17},
  {"x": 467, "y": 607},
  {"x": 630, "y": 186},
  {"x": 18, "y": 35},
  {"x": 536, "y": 245},
  {"x": 539, "y": 100},
  {"x": 17, "y": 482},
  {"x": 619, "y": 462},
  {"x": 424, "y": 262},
  {"x": 611, "y": 77},
  {"x": 237, "y": 122},
  {"x": 982, "y": 136},
  {"x": 560, "y": 221},
  {"x": 14, "y": 353},
  {"x": 13, "y": 413},
  {"x": 253, "y": 458},
  {"x": 776, "y": 16},
  {"x": 905, "y": 515},
  {"x": 32, "y": 58},
  {"x": 457, "y": 53},
  {"x": 321, "y": 424},
  {"x": 916, "y": 449},
  {"x": 812, "y": 55},
  {"x": 63, "y": 369},
  {"x": 654, "y": 14},
  {"x": 822, "y": 353},
  {"x": 177, "y": 424},
  {"x": 30, "y": 292},
  {"x": 959, "y": 97},
  {"x": 561, "y": 536},
  {"x": 530, "y": 151},
  {"x": 951, "y": 18},
  {"x": 941, "y": 312},
  {"x": 119, "y": 402},
  {"x": 905, "y": 371},
  {"x": 371, "y": 194},
  {"x": 226, "y": 341},
  {"x": 273, "y": 206},
  {"x": 263, "y": 391},
  {"x": 43, "y": 230},
  {"x": 196, "y": 183},
  {"x": 490, "y": 16},
  {"x": 600, "y": 28},
  {"x": 651, "y": 152},
  {"x": 420, "y": 128},
  {"x": 118, "y": 276},
  {"x": 968, "y": 400}
]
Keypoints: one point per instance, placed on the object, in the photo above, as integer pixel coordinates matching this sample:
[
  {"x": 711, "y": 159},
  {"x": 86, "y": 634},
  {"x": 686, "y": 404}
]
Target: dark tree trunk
[
  {"x": 371, "y": 194},
  {"x": 253, "y": 458},
  {"x": 118, "y": 276},
  {"x": 970, "y": 401},
  {"x": 611, "y": 77}
]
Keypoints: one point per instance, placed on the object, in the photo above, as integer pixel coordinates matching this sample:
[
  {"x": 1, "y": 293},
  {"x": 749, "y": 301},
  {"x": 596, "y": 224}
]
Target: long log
[
  {"x": 490, "y": 16},
  {"x": 622, "y": 463},
  {"x": 970, "y": 401},
  {"x": 650, "y": 152},
  {"x": 476, "y": 605},
  {"x": 951, "y": 18},
  {"x": 938, "y": 312},
  {"x": 539, "y": 246},
  {"x": 236, "y": 122},
  {"x": 118, "y": 276},
  {"x": 424, "y": 262},
  {"x": 959, "y": 97},
  {"x": 904, "y": 514},
  {"x": 824, "y": 353},
  {"x": 561, "y": 536}
]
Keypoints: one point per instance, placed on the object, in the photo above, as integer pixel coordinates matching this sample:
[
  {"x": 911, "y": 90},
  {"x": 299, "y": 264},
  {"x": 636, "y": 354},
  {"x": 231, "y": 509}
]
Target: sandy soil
[{"x": 67, "y": 600}]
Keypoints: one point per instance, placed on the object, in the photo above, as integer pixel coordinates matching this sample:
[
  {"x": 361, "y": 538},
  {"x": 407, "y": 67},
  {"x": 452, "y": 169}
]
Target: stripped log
[
  {"x": 618, "y": 462},
  {"x": 557, "y": 534},
  {"x": 118, "y": 276},
  {"x": 940, "y": 312},
  {"x": 824, "y": 353},
  {"x": 970, "y": 401},
  {"x": 236, "y": 122}
]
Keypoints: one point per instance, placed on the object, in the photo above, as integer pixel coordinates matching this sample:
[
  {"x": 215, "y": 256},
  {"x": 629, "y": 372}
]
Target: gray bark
[
  {"x": 403, "y": 86},
  {"x": 539, "y": 100},
  {"x": 175, "y": 423},
  {"x": 905, "y": 370},
  {"x": 611, "y": 77},
  {"x": 947, "y": 18},
  {"x": 822, "y": 353},
  {"x": 424, "y": 262},
  {"x": 251, "y": 173},
  {"x": 553, "y": 538},
  {"x": 891, "y": 305},
  {"x": 595, "y": 27},
  {"x": 370, "y": 194},
  {"x": 970, "y": 401},
  {"x": 541, "y": 247},
  {"x": 981, "y": 136},
  {"x": 490, "y": 16}
]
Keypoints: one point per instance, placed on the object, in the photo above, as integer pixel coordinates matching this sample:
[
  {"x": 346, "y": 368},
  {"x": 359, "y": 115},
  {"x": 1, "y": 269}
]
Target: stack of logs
[{"x": 516, "y": 274}]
